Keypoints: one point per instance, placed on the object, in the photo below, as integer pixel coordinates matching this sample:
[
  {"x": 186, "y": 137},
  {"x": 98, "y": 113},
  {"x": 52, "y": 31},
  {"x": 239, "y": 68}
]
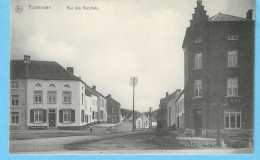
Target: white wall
[
  {"x": 91, "y": 107},
  {"x": 76, "y": 103}
]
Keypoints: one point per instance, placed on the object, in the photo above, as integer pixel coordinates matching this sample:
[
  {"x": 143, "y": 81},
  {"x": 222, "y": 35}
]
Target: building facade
[
  {"x": 18, "y": 103},
  {"x": 113, "y": 110},
  {"x": 219, "y": 73},
  {"x": 43, "y": 94},
  {"x": 180, "y": 114},
  {"x": 167, "y": 110}
]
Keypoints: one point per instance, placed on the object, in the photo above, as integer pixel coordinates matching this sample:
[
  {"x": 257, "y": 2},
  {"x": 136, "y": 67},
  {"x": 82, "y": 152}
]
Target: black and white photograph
[{"x": 138, "y": 77}]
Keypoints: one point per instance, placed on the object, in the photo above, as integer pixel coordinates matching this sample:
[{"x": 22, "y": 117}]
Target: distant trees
[{"x": 128, "y": 112}]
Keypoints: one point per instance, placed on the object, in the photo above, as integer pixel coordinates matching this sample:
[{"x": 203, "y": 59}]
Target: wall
[
  {"x": 92, "y": 107},
  {"x": 21, "y": 108},
  {"x": 75, "y": 89}
]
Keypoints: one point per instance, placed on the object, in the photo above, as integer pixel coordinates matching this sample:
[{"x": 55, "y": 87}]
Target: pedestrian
[{"x": 91, "y": 129}]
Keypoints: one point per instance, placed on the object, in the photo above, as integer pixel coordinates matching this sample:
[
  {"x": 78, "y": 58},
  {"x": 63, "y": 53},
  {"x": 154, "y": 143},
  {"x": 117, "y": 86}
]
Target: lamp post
[{"x": 133, "y": 83}]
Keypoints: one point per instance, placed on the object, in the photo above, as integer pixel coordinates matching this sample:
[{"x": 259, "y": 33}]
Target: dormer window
[
  {"x": 67, "y": 86},
  {"x": 51, "y": 85},
  {"x": 38, "y": 85},
  {"x": 232, "y": 37},
  {"x": 198, "y": 40}
]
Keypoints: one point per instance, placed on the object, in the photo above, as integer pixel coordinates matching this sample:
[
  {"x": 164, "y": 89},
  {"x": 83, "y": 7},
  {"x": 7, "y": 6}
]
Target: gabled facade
[
  {"x": 180, "y": 114},
  {"x": 99, "y": 110},
  {"x": 113, "y": 110},
  {"x": 167, "y": 110},
  {"x": 219, "y": 73}
]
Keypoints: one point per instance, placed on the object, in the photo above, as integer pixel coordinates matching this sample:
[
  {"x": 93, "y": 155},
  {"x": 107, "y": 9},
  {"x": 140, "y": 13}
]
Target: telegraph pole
[{"x": 133, "y": 83}]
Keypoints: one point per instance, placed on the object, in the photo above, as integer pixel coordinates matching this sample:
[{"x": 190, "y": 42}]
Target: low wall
[{"x": 124, "y": 126}]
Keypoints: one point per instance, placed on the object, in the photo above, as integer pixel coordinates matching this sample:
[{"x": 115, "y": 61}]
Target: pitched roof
[
  {"x": 47, "y": 70},
  {"x": 92, "y": 91},
  {"x": 225, "y": 17},
  {"x": 182, "y": 92},
  {"x": 169, "y": 97},
  {"x": 110, "y": 98},
  {"x": 154, "y": 119}
]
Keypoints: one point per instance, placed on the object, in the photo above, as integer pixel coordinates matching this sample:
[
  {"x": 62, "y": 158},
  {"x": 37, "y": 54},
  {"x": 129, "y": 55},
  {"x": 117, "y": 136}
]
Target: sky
[{"x": 117, "y": 40}]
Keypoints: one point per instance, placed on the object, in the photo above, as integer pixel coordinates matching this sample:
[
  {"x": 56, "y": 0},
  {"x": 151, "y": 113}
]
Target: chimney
[
  {"x": 249, "y": 14},
  {"x": 70, "y": 69},
  {"x": 109, "y": 95},
  {"x": 27, "y": 61},
  {"x": 94, "y": 87},
  {"x": 167, "y": 94}
]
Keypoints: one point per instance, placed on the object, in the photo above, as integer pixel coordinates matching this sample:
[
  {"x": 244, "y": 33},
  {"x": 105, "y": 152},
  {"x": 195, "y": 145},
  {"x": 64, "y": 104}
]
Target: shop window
[{"x": 233, "y": 120}]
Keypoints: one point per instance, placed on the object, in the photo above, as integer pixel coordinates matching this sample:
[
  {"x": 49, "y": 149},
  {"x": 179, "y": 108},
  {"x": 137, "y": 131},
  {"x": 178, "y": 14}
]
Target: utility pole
[{"x": 133, "y": 83}]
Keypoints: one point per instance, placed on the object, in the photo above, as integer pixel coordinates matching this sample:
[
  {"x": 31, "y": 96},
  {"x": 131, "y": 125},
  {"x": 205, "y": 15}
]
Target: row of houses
[
  {"x": 43, "y": 94},
  {"x": 218, "y": 96},
  {"x": 142, "y": 121}
]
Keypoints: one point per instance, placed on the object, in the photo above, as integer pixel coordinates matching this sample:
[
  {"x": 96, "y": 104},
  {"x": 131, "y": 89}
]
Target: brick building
[
  {"x": 167, "y": 110},
  {"x": 113, "y": 110},
  {"x": 219, "y": 73}
]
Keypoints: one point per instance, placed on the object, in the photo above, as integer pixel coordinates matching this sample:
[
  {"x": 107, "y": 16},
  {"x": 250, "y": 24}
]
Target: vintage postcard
[{"x": 132, "y": 77}]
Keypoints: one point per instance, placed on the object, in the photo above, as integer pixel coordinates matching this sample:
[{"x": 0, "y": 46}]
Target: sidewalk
[{"x": 48, "y": 145}]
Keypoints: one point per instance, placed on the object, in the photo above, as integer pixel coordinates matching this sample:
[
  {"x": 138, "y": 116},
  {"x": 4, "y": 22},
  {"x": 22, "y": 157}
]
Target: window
[
  {"x": 198, "y": 40},
  {"x": 14, "y": 84},
  {"x": 66, "y": 97},
  {"x": 67, "y": 115},
  {"x": 102, "y": 101},
  {"x": 37, "y": 96},
  {"x": 15, "y": 117},
  {"x": 232, "y": 87},
  {"x": 51, "y": 85},
  {"x": 198, "y": 88},
  {"x": 198, "y": 61},
  {"x": 67, "y": 86},
  {"x": 93, "y": 115},
  {"x": 15, "y": 100},
  {"x": 38, "y": 115},
  {"x": 232, "y": 58},
  {"x": 38, "y": 85},
  {"x": 113, "y": 110},
  {"x": 232, "y": 37},
  {"x": 82, "y": 115},
  {"x": 232, "y": 120},
  {"x": 52, "y": 96},
  {"x": 82, "y": 98}
]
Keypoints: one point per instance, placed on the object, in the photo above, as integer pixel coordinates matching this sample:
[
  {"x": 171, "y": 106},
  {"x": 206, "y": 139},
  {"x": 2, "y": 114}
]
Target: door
[
  {"x": 52, "y": 119},
  {"x": 114, "y": 119},
  {"x": 198, "y": 122}
]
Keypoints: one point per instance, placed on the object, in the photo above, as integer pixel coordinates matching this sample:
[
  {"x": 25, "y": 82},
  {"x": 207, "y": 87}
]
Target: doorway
[
  {"x": 198, "y": 122},
  {"x": 114, "y": 119},
  {"x": 52, "y": 118}
]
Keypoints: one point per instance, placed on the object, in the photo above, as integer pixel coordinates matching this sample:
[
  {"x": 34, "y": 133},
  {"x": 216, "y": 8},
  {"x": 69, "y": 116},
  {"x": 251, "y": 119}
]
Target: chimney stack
[
  {"x": 94, "y": 87},
  {"x": 70, "y": 69},
  {"x": 109, "y": 95},
  {"x": 249, "y": 14},
  {"x": 167, "y": 94}
]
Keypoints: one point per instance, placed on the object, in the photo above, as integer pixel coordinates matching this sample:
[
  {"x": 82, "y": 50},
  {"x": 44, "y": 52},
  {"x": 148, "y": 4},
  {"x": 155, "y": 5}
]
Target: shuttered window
[
  {"x": 38, "y": 116},
  {"x": 67, "y": 116}
]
